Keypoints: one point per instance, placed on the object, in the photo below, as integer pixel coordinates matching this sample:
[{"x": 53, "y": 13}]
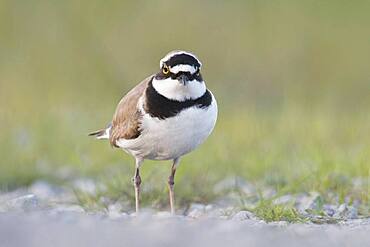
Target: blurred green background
[{"x": 292, "y": 80}]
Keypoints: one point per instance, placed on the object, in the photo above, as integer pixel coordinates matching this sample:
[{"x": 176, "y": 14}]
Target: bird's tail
[{"x": 102, "y": 134}]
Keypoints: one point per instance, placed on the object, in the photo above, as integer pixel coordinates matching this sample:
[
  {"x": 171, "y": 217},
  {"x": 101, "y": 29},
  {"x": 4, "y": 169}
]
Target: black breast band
[{"x": 161, "y": 107}]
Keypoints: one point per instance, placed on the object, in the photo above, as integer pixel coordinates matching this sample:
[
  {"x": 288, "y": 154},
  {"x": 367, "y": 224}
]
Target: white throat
[{"x": 173, "y": 89}]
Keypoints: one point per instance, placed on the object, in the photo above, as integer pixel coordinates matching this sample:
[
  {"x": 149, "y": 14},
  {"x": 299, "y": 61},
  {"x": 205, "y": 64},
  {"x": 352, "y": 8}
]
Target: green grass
[
  {"x": 291, "y": 79},
  {"x": 269, "y": 212}
]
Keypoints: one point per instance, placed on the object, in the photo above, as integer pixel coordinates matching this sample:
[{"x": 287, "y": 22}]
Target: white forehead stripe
[
  {"x": 183, "y": 68},
  {"x": 173, "y": 89},
  {"x": 174, "y": 53}
]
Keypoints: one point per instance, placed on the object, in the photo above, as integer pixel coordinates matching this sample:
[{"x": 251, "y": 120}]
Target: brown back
[{"x": 126, "y": 119}]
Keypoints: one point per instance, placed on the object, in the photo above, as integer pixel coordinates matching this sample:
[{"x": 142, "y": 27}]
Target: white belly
[{"x": 172, "y": 137}]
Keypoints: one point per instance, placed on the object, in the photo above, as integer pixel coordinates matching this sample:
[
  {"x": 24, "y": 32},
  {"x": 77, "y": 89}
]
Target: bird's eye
[{"x": 165, "y": 70}]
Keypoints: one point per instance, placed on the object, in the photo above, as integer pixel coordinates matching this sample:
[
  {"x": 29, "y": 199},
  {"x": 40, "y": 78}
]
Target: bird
[{"x": 164, "y": 117}]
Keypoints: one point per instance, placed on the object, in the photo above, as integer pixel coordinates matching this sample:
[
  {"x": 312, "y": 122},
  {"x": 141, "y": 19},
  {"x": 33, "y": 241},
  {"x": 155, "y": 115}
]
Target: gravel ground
[
  {"x": 47, "y": 215},
  {"x": 39, "y": 229}
]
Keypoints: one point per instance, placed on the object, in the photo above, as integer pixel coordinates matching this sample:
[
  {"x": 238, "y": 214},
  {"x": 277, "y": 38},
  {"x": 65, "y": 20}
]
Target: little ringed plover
[{"x": 164, "y": 117}]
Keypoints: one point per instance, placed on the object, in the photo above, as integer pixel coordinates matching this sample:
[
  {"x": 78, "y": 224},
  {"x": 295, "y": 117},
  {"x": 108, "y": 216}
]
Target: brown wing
[{"x": 126, "y": 119}]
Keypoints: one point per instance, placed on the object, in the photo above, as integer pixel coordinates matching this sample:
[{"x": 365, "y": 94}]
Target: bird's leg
[
  {"x": 171, "y": 183},
  {"x": 137, "y": 181}
]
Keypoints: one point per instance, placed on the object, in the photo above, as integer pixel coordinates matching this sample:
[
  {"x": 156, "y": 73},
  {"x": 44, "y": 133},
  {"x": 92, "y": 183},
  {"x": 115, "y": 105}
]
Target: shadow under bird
[{"x": 164, "y": 117}]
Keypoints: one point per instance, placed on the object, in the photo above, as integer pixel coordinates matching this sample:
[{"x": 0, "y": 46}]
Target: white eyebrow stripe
[{"x": 183, "y": 68}]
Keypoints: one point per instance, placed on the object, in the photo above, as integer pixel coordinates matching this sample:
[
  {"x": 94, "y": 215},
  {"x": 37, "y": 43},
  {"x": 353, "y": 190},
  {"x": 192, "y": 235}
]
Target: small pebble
[
  {"x": 244, "y": 215},
  {"x": 23, "y": 203}
]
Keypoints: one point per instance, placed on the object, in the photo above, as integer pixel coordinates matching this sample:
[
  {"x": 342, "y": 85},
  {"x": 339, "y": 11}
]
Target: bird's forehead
[{"x": 176, "y": 58}]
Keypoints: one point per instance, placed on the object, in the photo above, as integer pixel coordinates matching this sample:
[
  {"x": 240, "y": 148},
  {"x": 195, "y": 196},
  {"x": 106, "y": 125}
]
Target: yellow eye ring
[{"x": 165, "y": 69}]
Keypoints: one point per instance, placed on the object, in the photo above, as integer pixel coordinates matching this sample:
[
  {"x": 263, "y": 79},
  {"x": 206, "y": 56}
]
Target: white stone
[
  {"x": 244, "y": 215},
  {"x": 68, "y": 209},
  {"x": 44, "y": 190},
  {"x": 308, "y": 202},
  {"x": 234, "y": 183},
  {"x": 283, "y": 199},
  {"x": 23, "y": 203},
  {"x": 85, "y": 185},
  {"x": 196, "y": 210}
]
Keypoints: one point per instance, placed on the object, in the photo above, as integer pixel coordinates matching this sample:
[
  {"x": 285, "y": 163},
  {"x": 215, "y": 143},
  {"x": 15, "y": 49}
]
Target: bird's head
[{"x": 179, "y": 77}]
